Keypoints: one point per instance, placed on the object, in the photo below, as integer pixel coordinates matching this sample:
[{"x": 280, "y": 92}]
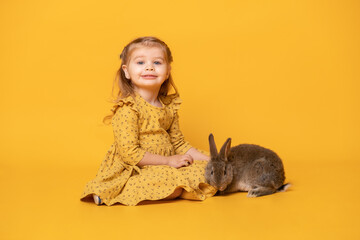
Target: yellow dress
[{"x": 140, "y": 127}]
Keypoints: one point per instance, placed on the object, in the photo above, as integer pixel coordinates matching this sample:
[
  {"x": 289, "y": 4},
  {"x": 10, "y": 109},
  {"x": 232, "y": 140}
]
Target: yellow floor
[
  {"x": 281, "y": 74},
  {"x": 43, "y": 203}
]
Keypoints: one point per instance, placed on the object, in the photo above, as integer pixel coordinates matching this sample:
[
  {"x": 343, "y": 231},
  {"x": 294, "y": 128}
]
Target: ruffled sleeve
[
  {"x": 126, "y": 131},
  {"x": 176, "y": 137}
]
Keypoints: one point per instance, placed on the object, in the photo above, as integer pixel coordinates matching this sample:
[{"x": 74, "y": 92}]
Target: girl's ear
[{"x": 127, "y": 75}]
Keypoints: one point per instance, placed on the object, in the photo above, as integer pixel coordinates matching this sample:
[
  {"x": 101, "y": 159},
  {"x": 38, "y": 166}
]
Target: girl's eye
[
  {"x": 140, "y": 62},
  {"x": 157, "y": 62}
]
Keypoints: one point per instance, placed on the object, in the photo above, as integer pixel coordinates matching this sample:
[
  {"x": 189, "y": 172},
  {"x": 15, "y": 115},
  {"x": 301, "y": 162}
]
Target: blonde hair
[{"x": 124, "y": 85}]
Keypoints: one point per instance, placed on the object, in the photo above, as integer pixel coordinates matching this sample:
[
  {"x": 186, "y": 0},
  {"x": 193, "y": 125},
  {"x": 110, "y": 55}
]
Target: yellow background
[{"x": 282, "y": 74}]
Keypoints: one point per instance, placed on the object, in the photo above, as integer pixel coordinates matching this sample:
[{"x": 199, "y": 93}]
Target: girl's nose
[{"x": 149, "y": 67}]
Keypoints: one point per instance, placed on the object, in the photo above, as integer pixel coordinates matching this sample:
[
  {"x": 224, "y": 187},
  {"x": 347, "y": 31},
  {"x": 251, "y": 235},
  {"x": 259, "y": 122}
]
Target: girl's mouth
[{"x": 148, "y": 76}]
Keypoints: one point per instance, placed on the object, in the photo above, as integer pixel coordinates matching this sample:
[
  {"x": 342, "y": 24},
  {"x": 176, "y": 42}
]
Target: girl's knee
[
  {"x": 175, "y": 194},
  {"x": 178, "y": 192}
]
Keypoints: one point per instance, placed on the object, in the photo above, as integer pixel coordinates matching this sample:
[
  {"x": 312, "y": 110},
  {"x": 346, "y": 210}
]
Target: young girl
[{"x": 149, "y": 159}]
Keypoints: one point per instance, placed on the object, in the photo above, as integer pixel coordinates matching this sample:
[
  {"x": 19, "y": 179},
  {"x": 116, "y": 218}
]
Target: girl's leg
[
  {"x": 175, "y": 194},
  {"x": 178, "y": 191}
]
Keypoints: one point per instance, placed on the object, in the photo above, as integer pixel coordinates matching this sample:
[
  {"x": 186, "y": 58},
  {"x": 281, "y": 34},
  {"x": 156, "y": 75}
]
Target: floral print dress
[{"x": 140, "y": 127}]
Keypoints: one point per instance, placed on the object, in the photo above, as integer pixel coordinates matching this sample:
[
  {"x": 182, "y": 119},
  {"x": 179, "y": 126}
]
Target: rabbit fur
[{"x": 245, "y": 167}]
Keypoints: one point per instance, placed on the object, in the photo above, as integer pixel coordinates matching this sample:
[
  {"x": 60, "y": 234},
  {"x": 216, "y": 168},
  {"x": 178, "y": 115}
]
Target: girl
[{"x": 149, "y": 159}]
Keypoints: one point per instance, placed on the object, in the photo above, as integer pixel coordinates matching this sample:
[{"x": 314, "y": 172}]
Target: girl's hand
[{"x": 178, "y": 161}]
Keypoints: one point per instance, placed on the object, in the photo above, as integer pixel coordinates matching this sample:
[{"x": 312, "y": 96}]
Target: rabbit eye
[
  {"x": 212, "y": 172},
  {"x": 225, "y": 172}
]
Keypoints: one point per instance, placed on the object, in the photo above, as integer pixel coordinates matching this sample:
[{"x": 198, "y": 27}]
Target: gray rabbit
[{"x": 246, "y": 167}]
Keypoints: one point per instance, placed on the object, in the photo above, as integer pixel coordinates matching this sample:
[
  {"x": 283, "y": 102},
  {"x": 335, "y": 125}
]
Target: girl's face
[{"x": 147, "y": 68}]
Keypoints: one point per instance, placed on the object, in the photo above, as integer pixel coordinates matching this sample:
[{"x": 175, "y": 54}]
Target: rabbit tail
[{"x": 283, "y": 188}]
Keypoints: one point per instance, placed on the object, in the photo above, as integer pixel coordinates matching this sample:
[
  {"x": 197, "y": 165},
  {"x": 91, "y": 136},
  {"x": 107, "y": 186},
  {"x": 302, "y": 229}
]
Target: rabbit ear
[
  {"x": 224, "y": 151},
  {"x": 213, "y": 150}
]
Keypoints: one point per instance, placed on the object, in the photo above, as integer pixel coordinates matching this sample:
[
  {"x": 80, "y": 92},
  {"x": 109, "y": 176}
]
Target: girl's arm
[
  {"x": 126, "y": 134},
  {"x": 176, "y": 161},
  {"x": 195, "y": 154}
]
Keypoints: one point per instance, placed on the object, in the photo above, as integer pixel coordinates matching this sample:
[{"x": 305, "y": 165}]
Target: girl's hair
[{"x": 124, "y": 86}]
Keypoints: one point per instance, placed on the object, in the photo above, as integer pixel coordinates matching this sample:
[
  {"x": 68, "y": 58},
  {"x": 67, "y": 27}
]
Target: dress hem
[{"x": 188, "y": 190}]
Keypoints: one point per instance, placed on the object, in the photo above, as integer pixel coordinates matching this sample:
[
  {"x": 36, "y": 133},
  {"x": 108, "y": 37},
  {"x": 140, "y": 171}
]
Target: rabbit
[{"x": 246, "y": 167}]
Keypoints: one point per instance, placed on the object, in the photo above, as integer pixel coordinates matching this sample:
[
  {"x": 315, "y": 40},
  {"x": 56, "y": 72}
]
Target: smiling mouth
[{"x": 149, "y": 76}]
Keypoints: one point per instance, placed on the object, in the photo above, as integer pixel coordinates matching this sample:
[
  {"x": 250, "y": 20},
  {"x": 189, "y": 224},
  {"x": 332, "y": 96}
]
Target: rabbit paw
[
  {"x": 253, "y": 193},
  {"x": 260, "y": 191}
]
